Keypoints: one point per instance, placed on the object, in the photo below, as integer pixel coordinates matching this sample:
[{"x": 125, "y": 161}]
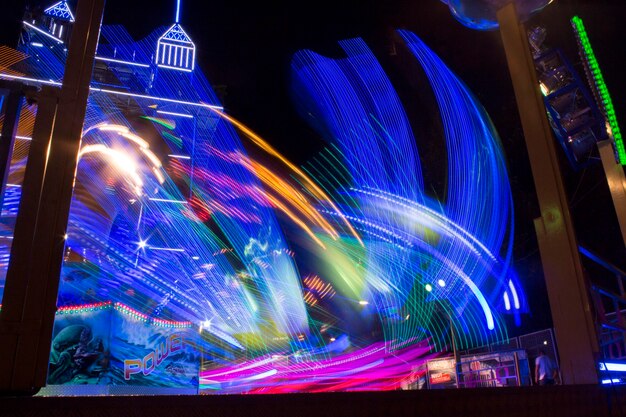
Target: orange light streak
[{"x": 314, "y": 188}]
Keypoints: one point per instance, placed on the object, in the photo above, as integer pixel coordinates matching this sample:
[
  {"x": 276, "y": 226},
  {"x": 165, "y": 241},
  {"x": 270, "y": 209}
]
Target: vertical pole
[
  {"x": 565, "y": 281},
  {"x": 28, "y": 325},
  {"x": 517, "y": 371},
  {"x": 455, "y": 351}
]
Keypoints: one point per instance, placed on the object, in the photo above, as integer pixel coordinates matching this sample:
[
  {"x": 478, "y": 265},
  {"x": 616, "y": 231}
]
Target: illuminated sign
[{"x": 148, "y": 363}]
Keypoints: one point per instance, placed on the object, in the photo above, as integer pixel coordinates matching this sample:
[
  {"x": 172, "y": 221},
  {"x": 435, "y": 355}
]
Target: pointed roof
[
  {"x": 60, "y": 10},
  {"x": 177, "y": 34}
]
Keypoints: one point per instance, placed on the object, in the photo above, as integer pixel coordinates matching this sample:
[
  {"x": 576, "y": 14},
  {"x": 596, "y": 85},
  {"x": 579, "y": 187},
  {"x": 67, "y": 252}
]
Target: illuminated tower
[{"x": 175, "y": 50}]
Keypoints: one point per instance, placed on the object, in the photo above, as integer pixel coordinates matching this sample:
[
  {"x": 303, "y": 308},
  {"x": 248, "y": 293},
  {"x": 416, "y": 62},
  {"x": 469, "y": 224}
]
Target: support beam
[
  {"x": 567, "y": 286},
  {"x": 617, "y": 183},
  {"x": 26, "y": 323},
  {"x": 16, "y": 318}
]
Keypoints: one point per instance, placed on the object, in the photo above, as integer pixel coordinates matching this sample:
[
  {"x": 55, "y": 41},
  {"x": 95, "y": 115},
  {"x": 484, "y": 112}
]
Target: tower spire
[
  {"x": 175, "y": 49},
  {"x": 61, "y": 10}
]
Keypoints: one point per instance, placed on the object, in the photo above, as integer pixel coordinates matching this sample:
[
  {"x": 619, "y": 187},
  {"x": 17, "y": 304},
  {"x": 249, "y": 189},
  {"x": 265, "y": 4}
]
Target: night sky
[{"x": 248, "y": 49}]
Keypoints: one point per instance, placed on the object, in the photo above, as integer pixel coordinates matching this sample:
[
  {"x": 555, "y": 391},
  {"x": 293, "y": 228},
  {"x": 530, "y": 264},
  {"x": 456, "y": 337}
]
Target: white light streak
[
  {"x": 43, "y": 32},
  {"x": 515, "y": 297},
  {"x": 175, "y": 68},
  {"x": 119, "y": 61},
  {"x": 165, "y": 200},
  {"x": 121, "y": 93},
  {"x": 167, "y": 100},
  {"x": 612, "y": 366},
  {"x": 171, "y": 113},
  {"x": 165, "y": 249}
]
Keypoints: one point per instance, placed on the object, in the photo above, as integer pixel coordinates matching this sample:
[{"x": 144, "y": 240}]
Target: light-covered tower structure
[{"x": 175, "y": 49}]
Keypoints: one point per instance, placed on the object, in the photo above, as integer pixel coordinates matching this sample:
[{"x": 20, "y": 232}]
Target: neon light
[
  {"x": 177, "y": 11},
  {"x": 612, "y": 366},
  {"x": 119, "y": 61},
  {"x": 175, "y": 68},
  {"x": 131, "y": 312},
  {"x": 602, "y": 89},
  {"x": 43, "y": 32},
  {"x": 17, "y": 77},
  {"x": 166, "y": 249},
  {"x": 21, "y": 137},
  {"x": 179, "y": 156},
  {"x": 121, "y": 93},
  {"x": 167, "y": 100},
  {"x": 37, "y": 44},
  {"x": 611, "y": 381},
  {"x": 84, "y": 308},
  {"x": 165, "y": 200},
  {"x": 172, "y": 46},
  {"x": 507, "y": 302},
  {"x": 515, "y": 297},
  {"x": 170, "y": 113},
  {"x": 60, "y": 10},
  {"x": 163, "y": 122}
]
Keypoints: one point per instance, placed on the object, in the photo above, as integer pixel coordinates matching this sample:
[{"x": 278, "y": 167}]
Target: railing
[{"x": 610, "y": 308}]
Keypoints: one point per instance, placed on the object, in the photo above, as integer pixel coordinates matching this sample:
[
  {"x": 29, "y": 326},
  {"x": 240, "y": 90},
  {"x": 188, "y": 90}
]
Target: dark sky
[{"x": 248, "y": 48}]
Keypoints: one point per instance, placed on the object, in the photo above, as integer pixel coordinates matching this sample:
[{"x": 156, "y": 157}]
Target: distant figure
[{"x": 545, "y": 369}]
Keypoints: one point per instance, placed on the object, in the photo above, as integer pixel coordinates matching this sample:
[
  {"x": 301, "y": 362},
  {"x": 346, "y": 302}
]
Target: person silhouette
[{"x": 545, "y": 369}]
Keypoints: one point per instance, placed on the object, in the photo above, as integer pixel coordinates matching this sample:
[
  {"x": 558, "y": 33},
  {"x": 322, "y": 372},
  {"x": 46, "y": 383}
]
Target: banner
[{"x": 109, "y": 345}]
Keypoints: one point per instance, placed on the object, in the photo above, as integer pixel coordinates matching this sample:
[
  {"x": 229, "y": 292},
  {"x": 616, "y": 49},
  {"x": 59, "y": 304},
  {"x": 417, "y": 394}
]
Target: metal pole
[
  {"x": 565, "y": 281},
  {"x": 517, "y": 372}
]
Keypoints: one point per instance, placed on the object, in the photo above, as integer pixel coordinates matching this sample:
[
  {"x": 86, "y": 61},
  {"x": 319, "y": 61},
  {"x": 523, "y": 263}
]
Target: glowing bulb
[
  {"x": 142, "y": 244},
  {"x": 441, "y": 283},
  {"x": 428, "y": 287},
  {"x": 363, "y": 302}
]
